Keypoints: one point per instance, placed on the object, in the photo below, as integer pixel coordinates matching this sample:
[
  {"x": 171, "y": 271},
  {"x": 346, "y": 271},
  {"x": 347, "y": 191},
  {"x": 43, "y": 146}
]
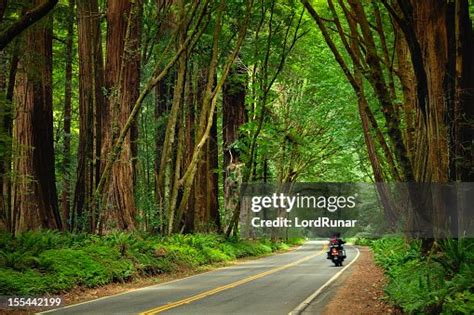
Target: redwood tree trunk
[
  {"x": 234, "y": 115},
  {"x": 65, "y": 199},
  {"x": 463, "y": 115},
  {"x": 4, "y": 143},
  {"x": 439, "y": 35},
  {"x": 444, "y": 32},
  {"x": 91, "y": 108},
  {"x": 233, "y": 111},
  {"x": 206, "y": 205},
  {"x": 191, "y": 99},
  {"x": 431, "y": 29},
  {"x": 123, "y": 83},
  {"x": 7, "y": 84},
  {"x": 212, "y": 154},
  {"x": 35, "y": 201},
  {"x": 205, "y": 209},
  {"x": 164, "y": 92}
]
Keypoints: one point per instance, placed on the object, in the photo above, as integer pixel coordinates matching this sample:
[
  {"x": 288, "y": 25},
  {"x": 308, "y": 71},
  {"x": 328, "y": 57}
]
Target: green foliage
[
  {"x": 311, "y": 127},
  {"x": 460, "y": 303},
  {"x": 17, "y": 260},
  {"x": 73, "y": 266},
  {"x": 363, "y": 241},
  {"x": 39, "y": 241},
  {"x": 295, "y": 241},
  {"x": 24, "y": 283},
  {"x": 52, "y": 262},
  {"x": 439, "y": 283}
]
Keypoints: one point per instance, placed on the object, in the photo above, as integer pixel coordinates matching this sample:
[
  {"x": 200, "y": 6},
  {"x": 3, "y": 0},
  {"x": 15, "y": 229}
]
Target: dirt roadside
[{"x": 359, "y": 290}]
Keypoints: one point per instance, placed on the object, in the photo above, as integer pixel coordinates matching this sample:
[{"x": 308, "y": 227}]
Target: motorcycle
[{"x": 337, "y": 254}]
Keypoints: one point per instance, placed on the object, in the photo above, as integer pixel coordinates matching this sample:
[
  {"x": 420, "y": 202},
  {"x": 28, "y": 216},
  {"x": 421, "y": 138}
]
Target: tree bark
[
  {"x": 431, "y": 29},
  {"x": 192, "y": 90},
  {"x": 463, "y": 132},
  {"x": 4, "y": 142},
  {"x": 442, "y": 48},
  {"x": 170, "y": 138},
  {"x": 234, "y": 115},
  {"x": 212, "y": 156},
  {"x": 159, "y": 73},
  {"x": 6, "y": 128},
  {"x": 35, "y": 200},
  {"x": 206, "y": 117},
  {"x": 382, "y": 91},
  {"x": 163, "y": 97},
  {"x": 439, "y": 36},
  {"x": 164, "y": 91},
  {"x": 65, "y": 198},
  {"x": 91, "y": 111},
  {"x": 26, "y": 20},
  {"x": 123, "y": 83},
  {"x": 206, "y": 205},
  {"x": 407, "y": 81}
]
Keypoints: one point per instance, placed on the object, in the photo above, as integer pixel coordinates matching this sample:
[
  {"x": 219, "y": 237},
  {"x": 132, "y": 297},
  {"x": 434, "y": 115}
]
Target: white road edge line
[
  {"x": 163, "y": 283},
  {"x": 300, "y": 308}
]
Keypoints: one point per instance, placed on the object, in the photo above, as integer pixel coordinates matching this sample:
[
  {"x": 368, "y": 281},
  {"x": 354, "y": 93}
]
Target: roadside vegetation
[
  {"x": 125, "y": 123},
  {"x": 441, "y": 282},
  {"x": 52, "y": 262}
]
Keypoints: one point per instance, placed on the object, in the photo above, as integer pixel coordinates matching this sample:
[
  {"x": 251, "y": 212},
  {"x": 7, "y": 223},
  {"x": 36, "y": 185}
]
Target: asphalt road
[{"x": 271, "y": 285}]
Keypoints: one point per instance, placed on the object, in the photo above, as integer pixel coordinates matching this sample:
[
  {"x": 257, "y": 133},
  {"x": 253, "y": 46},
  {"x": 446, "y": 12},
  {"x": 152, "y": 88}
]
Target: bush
[
  {"x": 214, "y": 255},
  {"x": 362, "y": 241},
  {"x": 119, "y": 268},
  {"x": 19, "y": 261},
  {"x": 23, "y": 283},
  {"x": 70, "y": 267},
  {"x": 295, "y": 241},
  {"x": 439, "y": 283},
  {"x": 459, "y": 303}
]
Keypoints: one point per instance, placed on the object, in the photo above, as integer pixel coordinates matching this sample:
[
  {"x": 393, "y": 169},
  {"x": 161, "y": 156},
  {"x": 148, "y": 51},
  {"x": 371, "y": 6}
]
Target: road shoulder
[{"x": 359, "y": 290}]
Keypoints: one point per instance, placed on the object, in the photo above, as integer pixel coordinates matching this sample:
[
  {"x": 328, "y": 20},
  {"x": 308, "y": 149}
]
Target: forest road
[{"x": 271, "y": 285}]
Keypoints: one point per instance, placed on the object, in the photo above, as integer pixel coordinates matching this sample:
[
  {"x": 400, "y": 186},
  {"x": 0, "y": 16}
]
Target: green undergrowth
[
  {"x": 439, "y": 283},
  {"x": 53, "y": 262}
]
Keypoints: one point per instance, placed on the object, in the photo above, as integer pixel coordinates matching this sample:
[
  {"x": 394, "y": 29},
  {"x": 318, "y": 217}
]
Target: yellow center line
[{"x": 202, "y": 295}]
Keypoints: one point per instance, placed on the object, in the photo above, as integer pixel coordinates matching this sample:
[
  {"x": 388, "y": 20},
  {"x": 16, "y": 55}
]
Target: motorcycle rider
[{"x": 335, "y": 240}]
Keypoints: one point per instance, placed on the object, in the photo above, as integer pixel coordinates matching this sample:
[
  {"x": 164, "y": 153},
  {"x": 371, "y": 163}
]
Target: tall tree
[
  {"x": 4, "y": 143},
  {"x": 441, "y": 53},
  {"x": 65, "y": 195},
  {"x": 234, "y": 115},
  {"x": 207, "y": 109},
  {"x": 206, "y": 203},
  {"x": 7, "y": 84},
  {"x": 91, "y": 107},
  {"x": 159, "y": 73},
  {"x": 122, "y": 83},
  {"x": 434, "y": 119},
  {"x": 163, "y": 100},
  {"x": 35, "y": 198}
]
